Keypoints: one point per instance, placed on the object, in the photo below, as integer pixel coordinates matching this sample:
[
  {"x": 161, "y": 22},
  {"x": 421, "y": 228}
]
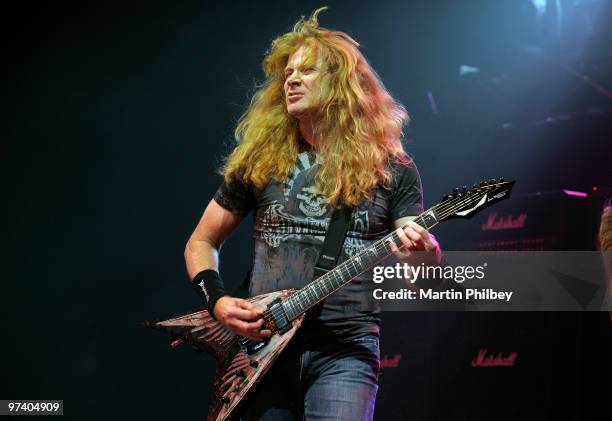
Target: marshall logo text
[
  {"x": 484, "y": 360},
  {"x": 494, "y": 223}
]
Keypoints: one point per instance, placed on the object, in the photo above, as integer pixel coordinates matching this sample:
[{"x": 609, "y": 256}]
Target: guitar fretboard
[{"x": 330, "y": 282}]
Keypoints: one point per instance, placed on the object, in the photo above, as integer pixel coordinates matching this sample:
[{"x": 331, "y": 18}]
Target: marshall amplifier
[{"x": 559, "y": 220}]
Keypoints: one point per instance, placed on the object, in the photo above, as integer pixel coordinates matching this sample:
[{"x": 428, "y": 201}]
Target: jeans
[{"x": 331, "y": 379}]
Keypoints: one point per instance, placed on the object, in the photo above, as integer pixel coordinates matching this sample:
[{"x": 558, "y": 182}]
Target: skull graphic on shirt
[{"x": 311, "y": 202}]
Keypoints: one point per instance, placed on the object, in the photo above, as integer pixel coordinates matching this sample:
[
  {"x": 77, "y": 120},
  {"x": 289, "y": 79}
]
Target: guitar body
[{"x": 238, "y": 370}]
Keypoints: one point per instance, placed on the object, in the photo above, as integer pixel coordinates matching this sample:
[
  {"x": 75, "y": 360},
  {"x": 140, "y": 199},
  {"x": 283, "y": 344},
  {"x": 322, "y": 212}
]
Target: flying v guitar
[{"x": 241, "y": 362}]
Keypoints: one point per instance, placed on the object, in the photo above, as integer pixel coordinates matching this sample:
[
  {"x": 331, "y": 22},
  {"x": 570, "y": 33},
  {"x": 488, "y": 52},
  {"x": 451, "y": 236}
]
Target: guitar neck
[
  {"x": 457, "y": 204},
  {"x": 316, "y": 291}
]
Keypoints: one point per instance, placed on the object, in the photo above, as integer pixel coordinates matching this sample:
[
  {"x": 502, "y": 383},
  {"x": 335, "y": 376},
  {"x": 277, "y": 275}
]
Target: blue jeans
[{"x": 331, "y": 379}]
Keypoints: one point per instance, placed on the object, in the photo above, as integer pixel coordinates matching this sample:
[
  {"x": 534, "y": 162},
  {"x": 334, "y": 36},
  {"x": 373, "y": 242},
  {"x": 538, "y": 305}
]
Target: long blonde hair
[{"x": 360, "y": 123}]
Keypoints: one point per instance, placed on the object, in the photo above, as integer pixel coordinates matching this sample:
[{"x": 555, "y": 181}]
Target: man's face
[{"x": 302, "y": 84}]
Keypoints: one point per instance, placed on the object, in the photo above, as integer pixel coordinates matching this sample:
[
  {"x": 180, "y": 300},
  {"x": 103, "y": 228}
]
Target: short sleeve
[
  {"x": 236, "y": 196},
  {"x": 406, "y": 196}
]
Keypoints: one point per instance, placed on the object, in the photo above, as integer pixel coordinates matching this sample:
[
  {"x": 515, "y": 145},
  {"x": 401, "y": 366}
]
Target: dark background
[{"x": 118, "y": 114}]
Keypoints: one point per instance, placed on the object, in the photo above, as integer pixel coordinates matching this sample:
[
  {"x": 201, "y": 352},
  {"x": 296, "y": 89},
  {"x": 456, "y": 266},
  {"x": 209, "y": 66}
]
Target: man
[{"x": 321, "y": 131}]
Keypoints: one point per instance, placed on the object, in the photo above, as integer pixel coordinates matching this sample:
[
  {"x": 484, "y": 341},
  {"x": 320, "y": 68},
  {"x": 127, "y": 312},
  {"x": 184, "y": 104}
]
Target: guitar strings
[
  {"x": 378, "y": 246},
  {"x": 445, "y": 209}
]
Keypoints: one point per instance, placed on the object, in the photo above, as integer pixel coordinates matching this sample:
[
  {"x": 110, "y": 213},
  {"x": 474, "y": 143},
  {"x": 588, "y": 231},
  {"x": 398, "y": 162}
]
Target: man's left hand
[{"x": 415, "y": 238}]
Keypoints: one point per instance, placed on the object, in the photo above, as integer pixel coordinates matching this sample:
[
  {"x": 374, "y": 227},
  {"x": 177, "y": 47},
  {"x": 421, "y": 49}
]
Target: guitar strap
[
  {"x": 336, "y": 232},
  {"x": 330, "y": 252}
]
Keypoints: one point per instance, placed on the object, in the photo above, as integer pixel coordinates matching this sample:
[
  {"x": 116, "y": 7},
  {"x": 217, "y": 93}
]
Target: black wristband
[{"x": 209, "y": 285}]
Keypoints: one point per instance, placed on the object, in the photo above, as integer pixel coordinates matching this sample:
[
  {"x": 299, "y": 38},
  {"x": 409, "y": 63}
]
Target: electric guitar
[{"x": 242, "y": 362}]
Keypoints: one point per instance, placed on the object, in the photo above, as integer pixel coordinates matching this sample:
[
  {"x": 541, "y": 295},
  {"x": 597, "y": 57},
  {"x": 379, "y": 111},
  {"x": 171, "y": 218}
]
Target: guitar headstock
[{"x": 466, "y": 202}]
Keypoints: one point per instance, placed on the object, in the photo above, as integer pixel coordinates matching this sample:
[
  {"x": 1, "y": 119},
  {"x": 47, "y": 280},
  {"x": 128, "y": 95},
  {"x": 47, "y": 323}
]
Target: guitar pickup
[{"x": 279, "y": 316}]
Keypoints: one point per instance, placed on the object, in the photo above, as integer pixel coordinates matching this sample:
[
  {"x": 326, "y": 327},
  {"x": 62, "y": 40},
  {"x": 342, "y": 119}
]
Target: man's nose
[{"x": 295, "y": 78}]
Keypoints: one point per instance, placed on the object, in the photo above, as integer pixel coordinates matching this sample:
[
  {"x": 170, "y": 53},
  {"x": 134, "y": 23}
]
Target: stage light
[{"x": 464, "y": 69}]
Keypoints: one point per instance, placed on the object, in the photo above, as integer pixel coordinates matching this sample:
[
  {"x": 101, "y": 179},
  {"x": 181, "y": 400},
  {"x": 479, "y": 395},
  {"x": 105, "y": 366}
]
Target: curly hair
[{"x": 359, "y": 122}]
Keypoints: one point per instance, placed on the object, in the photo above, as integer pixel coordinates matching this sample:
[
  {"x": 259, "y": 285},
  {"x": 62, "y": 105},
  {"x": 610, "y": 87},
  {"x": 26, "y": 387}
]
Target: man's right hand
[{"x": 241, "y": 316}]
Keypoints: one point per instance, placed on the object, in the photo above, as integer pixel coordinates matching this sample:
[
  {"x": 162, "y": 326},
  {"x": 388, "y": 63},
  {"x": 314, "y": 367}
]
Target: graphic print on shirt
[
  {"x": 305, "y": 161},
  {"x": 299, "y": 187},
  {"x": 305, "y": 210},
  {"x": 277, "y": 226},
  {"x": 300, "y": 210},
  {"x": 360, "y": 223},
  {"x": 311, "y": 202}
]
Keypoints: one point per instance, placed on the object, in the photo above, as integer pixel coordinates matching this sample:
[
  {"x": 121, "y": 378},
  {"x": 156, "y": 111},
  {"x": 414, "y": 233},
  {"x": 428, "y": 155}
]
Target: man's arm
[
  {"x": 202, "y": 253},
  {"x": 202, "y": 250}
]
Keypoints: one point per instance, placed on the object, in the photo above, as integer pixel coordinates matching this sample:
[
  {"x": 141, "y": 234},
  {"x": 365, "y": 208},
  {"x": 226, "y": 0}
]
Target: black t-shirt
[{"x": 290, "y": 222}]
